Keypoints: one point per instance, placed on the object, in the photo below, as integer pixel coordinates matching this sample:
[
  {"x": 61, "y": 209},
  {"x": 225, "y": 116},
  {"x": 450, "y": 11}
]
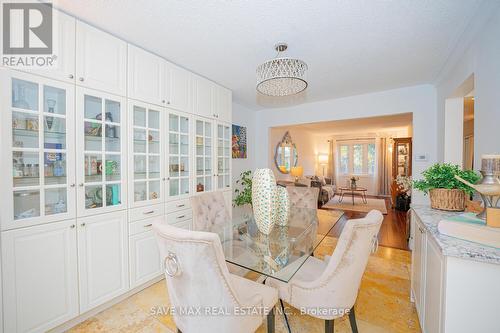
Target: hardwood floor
[{"x": 393, "y": 232}]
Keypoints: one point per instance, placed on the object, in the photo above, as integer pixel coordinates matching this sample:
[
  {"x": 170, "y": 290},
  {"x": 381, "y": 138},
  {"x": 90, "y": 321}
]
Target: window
[
  {"x": 357, "y": 161},
  {"x": 371, "y": 158},
  {"x": 357, "y": 158},
  {"x": 344, "y": 159}
]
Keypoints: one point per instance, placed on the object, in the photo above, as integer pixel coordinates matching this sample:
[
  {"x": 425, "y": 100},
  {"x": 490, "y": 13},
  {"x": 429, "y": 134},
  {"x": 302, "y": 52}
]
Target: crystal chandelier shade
[{"x": 281, "y": 76}]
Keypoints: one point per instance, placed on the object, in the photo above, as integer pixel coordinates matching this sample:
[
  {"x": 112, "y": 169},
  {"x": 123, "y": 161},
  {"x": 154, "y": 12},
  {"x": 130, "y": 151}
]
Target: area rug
[{"x": 359, "y": 205}]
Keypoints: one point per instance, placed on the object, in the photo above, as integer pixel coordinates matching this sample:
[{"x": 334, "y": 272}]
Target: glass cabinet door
[
  {"x": 101, "y": 152},
  {"x": 223, "y": 156},
  {"x": 178, "y": 155},
  {"x": 203, "y": 155},
  {"x": 42, "y": 150},
  {"x": 145, "y": 163}
]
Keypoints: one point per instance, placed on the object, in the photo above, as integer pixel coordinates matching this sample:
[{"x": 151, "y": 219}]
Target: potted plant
[
  {"x": 446, "y": 192},
  {"x": 403, "y": 199},
  {"x": 353, "y": 180},
  {"x": 244, "y": 192}
]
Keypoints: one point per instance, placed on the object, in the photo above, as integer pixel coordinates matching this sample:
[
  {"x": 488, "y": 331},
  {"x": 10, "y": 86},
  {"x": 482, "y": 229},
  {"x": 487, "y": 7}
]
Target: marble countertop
[{"x": 451, "y": 246}]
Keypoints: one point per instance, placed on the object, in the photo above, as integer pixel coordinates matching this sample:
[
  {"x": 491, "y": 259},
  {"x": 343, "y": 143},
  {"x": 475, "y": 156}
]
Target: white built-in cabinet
[
  {"x": 146, "y": 76},
  {"x": 177, "y": 87},
  {"x": 102, "y": 258},
  {"x": 223, "y": 155},
  {"x": 64, "y": 47},
  {"x": 40, "y": 276},
  {"x": 95, "y": 151},
  {"x": 204, "y": 155},
  {"x": 154, "y": 80},
  {"x": 38, "y": 150},
  {"x": 178, "y": 155},
  {"x": 101, "y": 60},
  {"x": 101, "y": 152},
  {"x": 146, "y": 148},
  {"x": 446, "y": 287}
]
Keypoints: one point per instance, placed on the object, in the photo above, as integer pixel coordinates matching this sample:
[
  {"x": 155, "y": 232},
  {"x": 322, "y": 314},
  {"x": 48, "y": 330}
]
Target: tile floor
[{"x": 383, "y": 303}]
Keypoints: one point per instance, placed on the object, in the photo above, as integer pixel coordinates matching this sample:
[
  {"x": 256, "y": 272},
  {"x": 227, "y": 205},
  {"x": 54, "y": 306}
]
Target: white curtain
[
  {"x": 332, "y": 160},
  {"x": 384, "y": 166}
]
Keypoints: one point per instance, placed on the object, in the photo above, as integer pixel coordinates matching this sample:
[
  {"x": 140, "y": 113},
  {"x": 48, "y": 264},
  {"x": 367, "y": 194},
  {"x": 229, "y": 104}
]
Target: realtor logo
[
  {"x": 28, "y": 36},
  {"x": 27, "y": 28}
]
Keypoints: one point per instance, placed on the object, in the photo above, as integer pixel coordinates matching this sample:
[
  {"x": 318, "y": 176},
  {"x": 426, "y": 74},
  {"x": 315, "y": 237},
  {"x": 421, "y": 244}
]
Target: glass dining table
[{"x": 281, "y": 253}]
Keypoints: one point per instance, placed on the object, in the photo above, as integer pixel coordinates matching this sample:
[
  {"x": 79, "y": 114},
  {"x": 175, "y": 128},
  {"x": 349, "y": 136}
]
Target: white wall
[
  {"x": 419, "y": 100},
  {"x": 244, "y": 117},
  {"x": 454, "y": 130},
  {"x": 478, "y": 54}
]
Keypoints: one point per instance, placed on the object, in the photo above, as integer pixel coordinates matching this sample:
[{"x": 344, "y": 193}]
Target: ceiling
[
  {"x": 351, "y": 47},
  {"x": 359, "y": 126}
]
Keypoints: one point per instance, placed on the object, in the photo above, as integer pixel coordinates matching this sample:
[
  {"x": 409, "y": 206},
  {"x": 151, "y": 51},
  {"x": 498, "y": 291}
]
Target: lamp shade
[
  {"x": 297, "y": 171},
  {"x": 322, "y": 158}
]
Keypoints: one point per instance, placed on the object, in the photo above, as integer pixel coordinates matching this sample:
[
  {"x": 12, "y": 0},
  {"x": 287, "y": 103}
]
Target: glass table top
[{"x": 281, "y": 253}]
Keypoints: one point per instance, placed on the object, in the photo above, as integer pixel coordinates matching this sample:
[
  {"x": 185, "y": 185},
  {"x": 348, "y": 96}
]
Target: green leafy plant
[
  {"x": 443, "y": 176},
  {"x": 244, "y": 192}
]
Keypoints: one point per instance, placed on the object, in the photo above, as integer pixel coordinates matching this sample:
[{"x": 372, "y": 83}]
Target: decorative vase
[
  {"x": 447, "y": 199},
  {"x": 264, "y": 199},
  {"x": 282, "y": 206}
]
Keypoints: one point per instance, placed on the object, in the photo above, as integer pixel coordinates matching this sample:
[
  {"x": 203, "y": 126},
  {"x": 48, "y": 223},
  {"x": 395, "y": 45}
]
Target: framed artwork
[{"x": 239, "y": 142}]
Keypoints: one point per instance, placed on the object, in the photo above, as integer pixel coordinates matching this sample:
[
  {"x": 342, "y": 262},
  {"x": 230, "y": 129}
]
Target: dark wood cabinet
[{"x": 401, "y": 163}]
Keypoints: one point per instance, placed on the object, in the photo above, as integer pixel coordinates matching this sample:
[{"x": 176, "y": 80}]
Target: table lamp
[
  {"x": 323, "y": 161},
  {"x": 297, "y": 172}
]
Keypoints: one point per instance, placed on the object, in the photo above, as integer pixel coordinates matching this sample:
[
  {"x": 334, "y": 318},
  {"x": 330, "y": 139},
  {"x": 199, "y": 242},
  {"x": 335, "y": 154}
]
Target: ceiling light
[{"x": 281, "y": 76}]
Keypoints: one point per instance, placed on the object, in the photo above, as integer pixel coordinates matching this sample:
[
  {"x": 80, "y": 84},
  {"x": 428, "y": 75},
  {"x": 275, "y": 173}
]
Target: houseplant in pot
[
  {"x": 244, "y": 192},
  {"x": 445, "y": 191}
]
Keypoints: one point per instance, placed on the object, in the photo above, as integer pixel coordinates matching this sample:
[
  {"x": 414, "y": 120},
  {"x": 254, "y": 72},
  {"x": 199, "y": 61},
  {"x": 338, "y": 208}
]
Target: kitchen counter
[{"x": 451, "y": 246}]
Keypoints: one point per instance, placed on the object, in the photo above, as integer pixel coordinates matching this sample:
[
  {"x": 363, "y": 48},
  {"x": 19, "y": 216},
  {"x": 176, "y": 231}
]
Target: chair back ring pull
[{"x": 171, "y": 265}]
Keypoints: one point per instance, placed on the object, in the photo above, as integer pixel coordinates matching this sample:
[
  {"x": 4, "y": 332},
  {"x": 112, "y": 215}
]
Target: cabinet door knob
[
  {"x": 163, "y": 101},
  {"x": 72, "y": 185},
  {"x": 81, "y": 79},
  {"x": 83, "y": 224},
  {"x": 81, "y": 184},
  {"x": 72, "y": 226},
  {"x": 164, "y": 179},
  {"x": 168, "y": 102},
  {"x": 71, "y": 76}
]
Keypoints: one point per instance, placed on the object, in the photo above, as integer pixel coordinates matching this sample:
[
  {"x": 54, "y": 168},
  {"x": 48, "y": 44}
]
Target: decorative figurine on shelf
[
  {"x": 49, "y": 121},
  {"x": 200, "y": 187}
]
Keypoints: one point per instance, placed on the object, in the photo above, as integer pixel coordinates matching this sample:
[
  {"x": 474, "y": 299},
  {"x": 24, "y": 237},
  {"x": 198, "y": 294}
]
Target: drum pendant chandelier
[{"x": 281, "y": 76}]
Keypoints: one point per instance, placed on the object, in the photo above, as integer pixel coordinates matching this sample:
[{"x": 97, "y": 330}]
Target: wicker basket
[{"x": 446, "y": 199}]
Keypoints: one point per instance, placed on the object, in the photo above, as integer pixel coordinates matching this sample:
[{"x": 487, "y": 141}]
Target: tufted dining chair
[
  {"x": 198, "y": 282},
  {"x": 327, "y": 289},
  {"x": 210, "y": 212},
  {"x": 303, "y": 197}
]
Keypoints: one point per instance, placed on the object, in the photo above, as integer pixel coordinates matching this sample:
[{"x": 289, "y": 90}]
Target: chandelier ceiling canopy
[{"x": 281, "y": 76}]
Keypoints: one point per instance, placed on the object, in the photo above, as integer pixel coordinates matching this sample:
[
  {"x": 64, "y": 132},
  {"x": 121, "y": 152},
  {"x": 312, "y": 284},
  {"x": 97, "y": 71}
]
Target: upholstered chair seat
[
  {"x": 333, "y": 283},
  {"x": 303, "y": 197},
  {"x": 199, "y": 283}
]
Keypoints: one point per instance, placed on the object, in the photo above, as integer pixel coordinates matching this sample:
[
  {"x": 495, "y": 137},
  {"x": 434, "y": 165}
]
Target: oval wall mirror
[{"x": 285, "y": 156}]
